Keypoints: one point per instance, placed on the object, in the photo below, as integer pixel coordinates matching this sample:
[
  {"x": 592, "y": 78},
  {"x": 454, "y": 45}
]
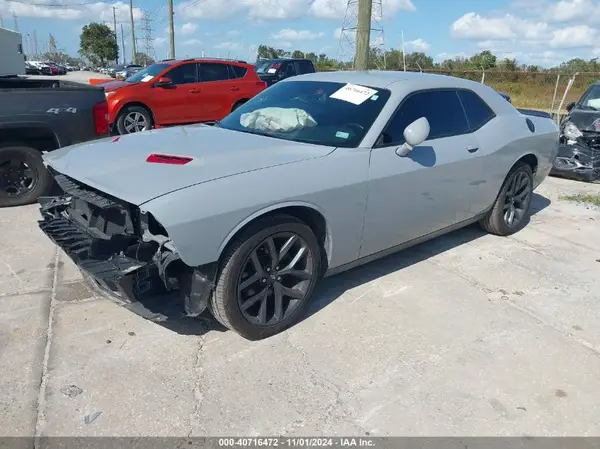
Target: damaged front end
[
  {"x": 579, "y": 152},
  {"x": 123, "y": 251}
]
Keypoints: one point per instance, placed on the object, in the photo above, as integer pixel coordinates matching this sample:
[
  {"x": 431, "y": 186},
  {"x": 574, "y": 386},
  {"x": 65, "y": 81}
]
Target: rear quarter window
[
  {"x": 237, "y": 71},
  {"x": 477, "y": 111}
]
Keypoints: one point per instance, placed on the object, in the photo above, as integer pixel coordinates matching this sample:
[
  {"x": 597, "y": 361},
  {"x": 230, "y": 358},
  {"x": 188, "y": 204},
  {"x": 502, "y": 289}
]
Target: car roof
[
  {"x": 284, "y": 59},
  {"x": 386, "y": 79},
  {"x": 201, "y": 59}
]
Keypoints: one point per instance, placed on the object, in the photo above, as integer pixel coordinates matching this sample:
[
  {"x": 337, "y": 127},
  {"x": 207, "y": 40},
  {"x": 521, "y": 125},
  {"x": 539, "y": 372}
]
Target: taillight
[
  {"x": 276, "y": 65},
  {"x": 169, "y": 159},
  {"x": 100, "y": 113}
]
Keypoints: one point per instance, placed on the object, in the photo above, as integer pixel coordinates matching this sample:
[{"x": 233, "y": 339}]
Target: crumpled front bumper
[
  {"x": 576, "y": 161},
  {"x": 136, "y": 283}
]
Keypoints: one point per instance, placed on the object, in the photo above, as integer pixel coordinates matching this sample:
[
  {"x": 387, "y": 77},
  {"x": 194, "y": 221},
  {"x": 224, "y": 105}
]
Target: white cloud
[
  {"x": 188, "y": 28},
  {"x": 335, "y": 9},
  {"x": 160, "y": 41},
  {"x": 337, "y": 33},
  {"x": 230, "y": 46},
  {"x": 189, "y": 42},
  {"x": 233, "y": 33},
  {"x": 98, "y": 11},
  {"x": 574, "y": 37},
  {"x": 296, "y": 35},
  {"x": 253, "y": 9},
  {"x": 417, "y": 45}
]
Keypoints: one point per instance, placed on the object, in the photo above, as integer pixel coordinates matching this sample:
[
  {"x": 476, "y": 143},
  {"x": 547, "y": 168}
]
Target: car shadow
[{"x": 171, "y": 316}]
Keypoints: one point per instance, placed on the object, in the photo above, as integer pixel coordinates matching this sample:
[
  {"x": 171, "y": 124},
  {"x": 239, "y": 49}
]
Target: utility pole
[
  {"x": 133, "y": 50},
  {"x": 363, "y": 34},
  {"x": 123, "y": 44},
  {"x": 171, "y": 30},
  {"x": 35, "y": 43},
  {"x": 403, "y": 52},
  {"x": 1, "y": 21},
  {"x": 16, "y": 22},
  {"x": 116, "y": 38}
]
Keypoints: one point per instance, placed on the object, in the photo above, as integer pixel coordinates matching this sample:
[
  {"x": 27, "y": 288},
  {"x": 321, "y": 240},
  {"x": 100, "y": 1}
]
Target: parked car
[
  {"x": 38, "y": 116},
  {"x": 31, "y": 69},
  {"x": 177, "y": 92},
  {"x": 579, "y": 153},
  {"x": 120, "y": 68},
  {"x": 315, "y": 175},
  {"x": 274, "y": 70},
  {"x": 128, "y": 71}
]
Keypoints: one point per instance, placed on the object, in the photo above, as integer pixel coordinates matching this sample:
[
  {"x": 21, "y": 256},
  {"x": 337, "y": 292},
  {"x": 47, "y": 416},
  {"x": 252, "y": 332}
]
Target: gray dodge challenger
[{"x": 315, "y": 175}]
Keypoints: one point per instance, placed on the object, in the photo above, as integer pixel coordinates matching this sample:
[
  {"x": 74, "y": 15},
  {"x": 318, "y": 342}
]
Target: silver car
[{"x": 315, "y": 175}]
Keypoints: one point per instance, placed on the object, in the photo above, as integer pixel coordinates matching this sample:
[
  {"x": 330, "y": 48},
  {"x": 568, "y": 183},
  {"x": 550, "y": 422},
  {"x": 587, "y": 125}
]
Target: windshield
[
  {"x": 267, "y": 66},
  {"x": 147, "y": 74},
  {"x": 591, "y": 99},
  {"x": 323, "y": 113}
]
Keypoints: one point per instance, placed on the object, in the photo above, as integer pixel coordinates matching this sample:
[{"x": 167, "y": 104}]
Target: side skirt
[{"x": 394, "y": 249}]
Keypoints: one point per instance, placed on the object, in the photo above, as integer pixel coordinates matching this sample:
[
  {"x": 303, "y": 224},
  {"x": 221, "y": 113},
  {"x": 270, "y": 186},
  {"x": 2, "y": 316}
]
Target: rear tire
[
  {"x": 514, "y": 200},
  {"x": 134, "y": 119},
  {"x": 250, "y": 299},
  {"x": 23, "y": 176}
]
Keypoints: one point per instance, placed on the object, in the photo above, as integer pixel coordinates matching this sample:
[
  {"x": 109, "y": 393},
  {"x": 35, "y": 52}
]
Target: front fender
[{"x": 200, "y": 220}]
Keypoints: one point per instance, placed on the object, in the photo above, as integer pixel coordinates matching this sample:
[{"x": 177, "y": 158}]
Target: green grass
[{"x": 585, "y": 198}]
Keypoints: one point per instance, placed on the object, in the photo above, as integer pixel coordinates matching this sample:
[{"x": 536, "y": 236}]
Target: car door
[
  {"x": 288, "y": 69},
  {"x": 485, "y": 169},
  {"x": 426, "y": 190},
  {"x": 218, "y": 90},
  {"x": 176, "y": 103}
]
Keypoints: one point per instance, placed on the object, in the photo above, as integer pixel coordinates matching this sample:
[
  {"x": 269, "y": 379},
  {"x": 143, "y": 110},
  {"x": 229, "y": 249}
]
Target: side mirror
[
  {"x": 570, "y": 106},
  {"x": 164, "y": 81},
  {"x": 415, "y": 134}
]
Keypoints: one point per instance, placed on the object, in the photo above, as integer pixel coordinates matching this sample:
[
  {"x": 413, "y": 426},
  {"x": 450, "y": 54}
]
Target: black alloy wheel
[
  {"x": 23, "y": 177},
  {"x": 517, "y": 199},
  {"x": 275, "y": 279},
  {"x": 511, "y": 210},
  {"x": 266, "y": 277}
]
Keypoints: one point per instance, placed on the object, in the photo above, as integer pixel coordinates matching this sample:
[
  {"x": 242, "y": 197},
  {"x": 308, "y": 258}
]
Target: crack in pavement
[
  {"x": 41, "y": 401},
  {"x": 198, "y": 392}
]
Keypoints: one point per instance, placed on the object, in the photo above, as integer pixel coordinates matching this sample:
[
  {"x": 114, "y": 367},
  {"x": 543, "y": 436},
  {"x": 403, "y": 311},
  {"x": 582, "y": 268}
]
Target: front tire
[
  {"x": 133, "y": 119},
  {"x": 511, "y": 211},
  {"x": 267, "y": 277},
  {"x": 23, "y": 177}
]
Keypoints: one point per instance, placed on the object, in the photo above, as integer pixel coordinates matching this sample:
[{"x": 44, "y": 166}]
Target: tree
[
  {"x": 98, "y": 44},
  {"x": 144, "y": 59},
  {"x": 483, "y": 61},
  {"x": 297, "y": 54}
]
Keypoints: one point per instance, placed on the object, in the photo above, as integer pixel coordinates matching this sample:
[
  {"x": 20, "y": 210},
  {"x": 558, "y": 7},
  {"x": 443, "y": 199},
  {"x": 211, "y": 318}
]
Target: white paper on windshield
[
  {"x": 353, "y": 93},
  {"x": 272, "y": 70},
  {"x": 595, "y": 103},
  {"x": 147, "y": 78}
]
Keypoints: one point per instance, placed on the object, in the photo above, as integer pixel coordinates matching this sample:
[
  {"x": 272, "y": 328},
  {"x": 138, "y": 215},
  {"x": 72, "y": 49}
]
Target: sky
[{"x": 540, "y": 32}]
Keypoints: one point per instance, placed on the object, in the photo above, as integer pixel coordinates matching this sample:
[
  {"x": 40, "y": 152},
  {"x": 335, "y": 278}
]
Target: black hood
[{"x": 584, "y": 119}]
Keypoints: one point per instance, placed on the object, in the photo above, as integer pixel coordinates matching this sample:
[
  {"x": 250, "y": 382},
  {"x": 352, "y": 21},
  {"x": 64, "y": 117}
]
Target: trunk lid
[{"x": 118, "y": 166}]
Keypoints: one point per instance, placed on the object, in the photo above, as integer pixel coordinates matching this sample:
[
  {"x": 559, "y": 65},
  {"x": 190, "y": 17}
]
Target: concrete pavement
[{"x": 469, "y": 334}]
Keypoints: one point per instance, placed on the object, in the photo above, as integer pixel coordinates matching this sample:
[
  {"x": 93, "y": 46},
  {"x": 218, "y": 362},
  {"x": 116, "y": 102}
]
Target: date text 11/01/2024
[{"x": 296, "y": 442}]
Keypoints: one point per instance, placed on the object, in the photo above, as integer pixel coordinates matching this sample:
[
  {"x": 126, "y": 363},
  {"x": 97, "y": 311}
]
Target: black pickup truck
[{"x": 40, "y": 115}]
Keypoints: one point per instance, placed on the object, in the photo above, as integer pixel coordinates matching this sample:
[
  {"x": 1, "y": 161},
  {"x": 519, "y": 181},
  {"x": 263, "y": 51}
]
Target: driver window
[
  {"x": 289, "y": 70},
  {"x": 442, "y": 108},
  {"x": 183, "y": 74}
]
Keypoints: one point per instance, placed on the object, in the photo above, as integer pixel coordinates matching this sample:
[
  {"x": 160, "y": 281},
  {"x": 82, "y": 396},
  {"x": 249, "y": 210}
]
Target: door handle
[
  {"x": 194, "y": 91},
  {"x": 234, "y": 88},
  {"x": 472, "y": 149}
]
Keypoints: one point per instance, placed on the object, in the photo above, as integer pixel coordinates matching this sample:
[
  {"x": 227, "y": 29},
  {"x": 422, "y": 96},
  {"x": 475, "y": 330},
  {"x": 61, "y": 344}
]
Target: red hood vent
[{"x": 169, "y": 159}]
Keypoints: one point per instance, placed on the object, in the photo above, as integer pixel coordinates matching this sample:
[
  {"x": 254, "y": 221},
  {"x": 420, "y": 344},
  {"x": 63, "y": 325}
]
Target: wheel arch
[
  {"x": 239, "y": 103},
  {"x": 135, "y": 103},
  {"x": 37, "y": 136},
  {"x": 308, "y": 213},
  {"x": 529, "y": 159}
]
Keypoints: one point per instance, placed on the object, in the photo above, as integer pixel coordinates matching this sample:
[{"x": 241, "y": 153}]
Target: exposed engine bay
[
  {"x": 579, "y": 151},
  {"x": 124, "y": 252}
]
